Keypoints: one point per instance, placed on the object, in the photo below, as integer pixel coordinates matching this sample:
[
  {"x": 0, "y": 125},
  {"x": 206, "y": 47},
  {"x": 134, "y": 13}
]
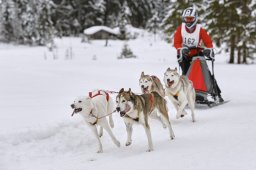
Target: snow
[
  {"x": 37, "y": 131},
  {"x": 94, "y": 29}
]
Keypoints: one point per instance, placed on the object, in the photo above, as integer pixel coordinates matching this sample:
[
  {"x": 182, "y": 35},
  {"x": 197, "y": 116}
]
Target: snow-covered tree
[
  {"x": 154, "y": 23},
  {"x": 126, "y": 52},
  {"x": 7, "y": 28},
  {"x": 246, "y": 30},
  {"x": 28, "y": 25},
  {"x": 231, "y": 22},
  {"x": 124, "y": 20},
  {"x": 141, "y": 11},
  {"x": 45, "y": 25}
]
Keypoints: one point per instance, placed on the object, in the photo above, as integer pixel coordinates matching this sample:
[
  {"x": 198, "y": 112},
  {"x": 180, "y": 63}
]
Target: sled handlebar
[
  {"x": 195, "y": 48},
  {"x": 199, "y": 50}
]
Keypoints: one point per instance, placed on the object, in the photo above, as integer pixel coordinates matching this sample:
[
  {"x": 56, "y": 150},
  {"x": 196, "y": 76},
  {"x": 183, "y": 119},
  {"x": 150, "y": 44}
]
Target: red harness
[
  {"x": 151, "y": 99},
  {"x": 99, "y": 93}
]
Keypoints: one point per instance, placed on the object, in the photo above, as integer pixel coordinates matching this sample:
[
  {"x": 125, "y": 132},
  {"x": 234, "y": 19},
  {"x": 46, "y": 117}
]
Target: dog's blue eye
[{"x": 123, "y": 101}]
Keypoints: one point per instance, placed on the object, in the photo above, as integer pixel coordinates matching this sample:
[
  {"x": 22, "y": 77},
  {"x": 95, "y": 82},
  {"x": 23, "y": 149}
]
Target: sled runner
[{"x": 203, "y": 80}]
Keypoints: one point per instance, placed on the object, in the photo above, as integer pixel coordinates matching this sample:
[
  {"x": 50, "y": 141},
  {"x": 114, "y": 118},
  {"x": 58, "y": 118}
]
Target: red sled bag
[{"x": 200, "y": 75}]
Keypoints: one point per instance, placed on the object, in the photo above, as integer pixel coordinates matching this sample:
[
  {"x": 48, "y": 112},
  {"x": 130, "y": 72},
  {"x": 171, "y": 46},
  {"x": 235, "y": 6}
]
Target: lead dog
[
  {"x": 151, "y": 83},
  {"x": 138, "y": 108},
  {"x": 180, "y": 91},
  {"x": 94, "y": 108}
]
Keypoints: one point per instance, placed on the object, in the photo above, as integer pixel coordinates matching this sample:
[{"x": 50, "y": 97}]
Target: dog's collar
[
  {"x": 176, "y": 96},
  {"x": 135, "y": 119}
]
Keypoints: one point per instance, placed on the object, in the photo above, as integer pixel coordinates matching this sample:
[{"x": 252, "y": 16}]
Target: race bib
[{"x": 190, "y": 39}]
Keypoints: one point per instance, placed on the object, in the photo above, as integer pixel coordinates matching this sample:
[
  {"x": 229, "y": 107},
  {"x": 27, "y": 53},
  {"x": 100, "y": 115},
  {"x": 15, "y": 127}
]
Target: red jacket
[{"x": 203, "y": 36}]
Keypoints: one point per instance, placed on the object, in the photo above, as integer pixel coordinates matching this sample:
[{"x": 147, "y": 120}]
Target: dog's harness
[
  {"x": 107, "y": 98},
  {"x": 151, "y": 99},
  {"x": 99, "y": 93}
]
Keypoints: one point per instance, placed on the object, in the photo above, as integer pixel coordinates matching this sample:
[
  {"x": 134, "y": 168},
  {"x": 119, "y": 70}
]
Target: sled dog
[
  {"x": 151, "y": 83},
  {"x": 180, "y": 91},
  {"x": 137, "y": 109},
  {"x": 94, "y": 108}
]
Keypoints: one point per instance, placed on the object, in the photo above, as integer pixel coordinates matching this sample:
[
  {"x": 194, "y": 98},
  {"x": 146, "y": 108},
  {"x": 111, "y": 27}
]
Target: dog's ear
[
  {"x": 122, "y": 90},
  {"x": 142, "y": 74},
  {"x": 130, "y": 90},
  {"x": 132, "y": 96},
  {"x": 168, "y": 69}
]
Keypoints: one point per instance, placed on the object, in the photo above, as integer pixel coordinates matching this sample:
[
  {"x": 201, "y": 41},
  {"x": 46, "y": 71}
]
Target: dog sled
[{"x": 203, "y": 79}]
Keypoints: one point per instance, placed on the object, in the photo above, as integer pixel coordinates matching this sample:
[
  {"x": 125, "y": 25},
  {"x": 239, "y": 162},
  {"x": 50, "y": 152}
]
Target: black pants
[{"x": 185, "y": 64}]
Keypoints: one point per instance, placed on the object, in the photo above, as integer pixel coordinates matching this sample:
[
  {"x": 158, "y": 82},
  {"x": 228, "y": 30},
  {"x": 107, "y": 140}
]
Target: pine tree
[
  {"x": 141, "y": 11},
  {"x": 20, "y": 11},
  {"x": 7, "y": 28},
  {"x": 124, "y": 20},
  {"x": 126, "y": 52},
  {"x": 231, "y": 23},
  {"x": 246, "y": 30},
  {"x": 45, "y": 24},
  {"x": 28, "y": 25}
]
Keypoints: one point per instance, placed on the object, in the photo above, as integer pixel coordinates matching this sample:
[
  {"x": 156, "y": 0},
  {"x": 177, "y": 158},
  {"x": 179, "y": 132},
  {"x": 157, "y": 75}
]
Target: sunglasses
[{"x": 189, "y": 19}]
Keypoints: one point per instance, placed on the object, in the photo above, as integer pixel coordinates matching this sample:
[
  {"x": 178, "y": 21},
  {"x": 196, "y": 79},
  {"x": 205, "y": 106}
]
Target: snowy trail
[{"x": 37, "y": 131}]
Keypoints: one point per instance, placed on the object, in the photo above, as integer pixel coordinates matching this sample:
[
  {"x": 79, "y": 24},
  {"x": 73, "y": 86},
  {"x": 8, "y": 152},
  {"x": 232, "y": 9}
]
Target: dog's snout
[
  {"x": 72, "y": 106},
  {"x": 142, "y": 86},
  {"x": 118, "y": 109},
  {"x": 168, "y": 79}
]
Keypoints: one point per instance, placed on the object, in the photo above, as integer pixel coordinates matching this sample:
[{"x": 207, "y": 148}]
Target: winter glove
[
  {"x": 184, "y": 51},
  {"x": 208, "y": 52}
]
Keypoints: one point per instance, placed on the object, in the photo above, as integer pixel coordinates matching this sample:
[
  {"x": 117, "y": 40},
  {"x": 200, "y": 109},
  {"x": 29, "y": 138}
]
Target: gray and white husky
[
  {"x": 180, "y": 91},
  {"x": 138, "y": 108},
  {"x": 151, "y": 83}
]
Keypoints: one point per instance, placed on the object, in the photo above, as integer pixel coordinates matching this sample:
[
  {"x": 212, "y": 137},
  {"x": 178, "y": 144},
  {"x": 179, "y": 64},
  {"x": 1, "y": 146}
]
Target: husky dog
[
  {"x": 94, "y": 108},
  {"x": 180, "y": 91},
  {"x": 137, "y": 109},
  {"x": 151, "y": 83}
]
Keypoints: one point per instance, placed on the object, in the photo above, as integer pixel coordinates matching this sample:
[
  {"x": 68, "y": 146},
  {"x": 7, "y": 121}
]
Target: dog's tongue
[
  {"x": 127, "y": 108},
  {"x": 145, "y": 90},
  {"x": 73, "y": 113},
  {"x": 170, "y": 83}
]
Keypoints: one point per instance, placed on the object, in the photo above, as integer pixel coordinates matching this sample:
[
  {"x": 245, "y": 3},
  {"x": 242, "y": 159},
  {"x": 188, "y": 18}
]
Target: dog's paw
[
  {"x": 164, "y": 126},
  {"x": 177, "y": 116},
  {"x": 128, "y": 143},
  {"x": 118, "y": 144},
  {"x": 184, "y": 113},
  {"x": 149, "y": 150},
  {"x": 100, "y": 151},
  {"x": 111, "y": 123},
  {"x": 101, "y": 132}
]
